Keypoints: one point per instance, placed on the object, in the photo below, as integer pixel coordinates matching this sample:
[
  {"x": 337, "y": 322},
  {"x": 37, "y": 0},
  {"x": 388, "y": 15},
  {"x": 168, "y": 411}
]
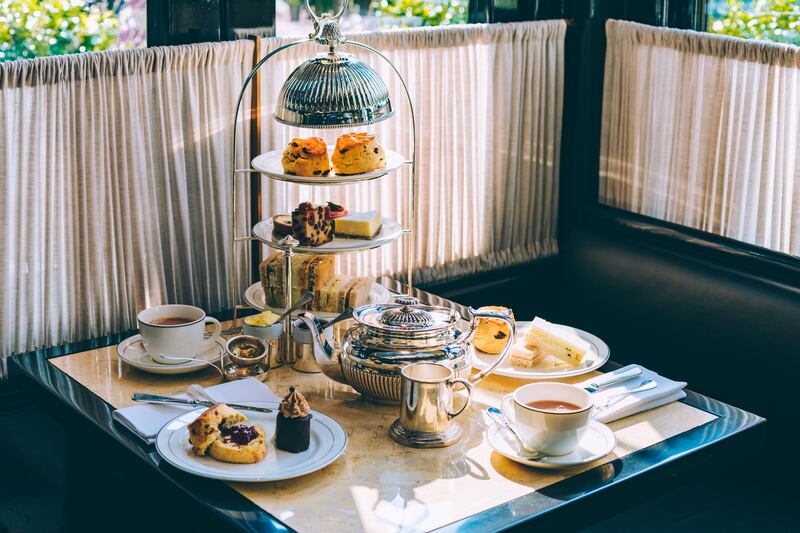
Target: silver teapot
[{"x": 387, "y": 337}]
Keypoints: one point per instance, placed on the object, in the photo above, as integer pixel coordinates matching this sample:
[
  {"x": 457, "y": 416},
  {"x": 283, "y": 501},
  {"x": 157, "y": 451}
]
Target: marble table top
[{"x": 379, "y": 485}]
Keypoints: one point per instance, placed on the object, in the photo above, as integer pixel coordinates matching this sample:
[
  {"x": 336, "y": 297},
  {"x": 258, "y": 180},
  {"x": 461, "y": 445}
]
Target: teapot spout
[{"x": 324, "y": 353}]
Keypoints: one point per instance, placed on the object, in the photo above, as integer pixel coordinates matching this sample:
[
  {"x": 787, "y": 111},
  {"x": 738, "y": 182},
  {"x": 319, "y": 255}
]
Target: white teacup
[
  {"x": 170, "y": 332},
  {"x": 551, "y": 432}
]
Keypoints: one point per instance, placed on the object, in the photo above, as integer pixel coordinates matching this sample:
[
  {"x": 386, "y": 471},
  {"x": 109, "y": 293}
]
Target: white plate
[
  {"x": 597, "y": 442},
  {"x": 132, "y": 352},
  {"x": 390, "y": 231},
  {"x": 328, "y": 442},
  {"x": 270, "y": 164},
  {"x": 254, "y": 297},
  {"x": 547, "y": 367}
]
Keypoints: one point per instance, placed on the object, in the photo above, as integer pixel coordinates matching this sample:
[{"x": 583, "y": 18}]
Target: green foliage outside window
[
  {"x": 769, "y": 20},
  {"x": 425, "y": 12},
  {"x": 32, "y": 28}
]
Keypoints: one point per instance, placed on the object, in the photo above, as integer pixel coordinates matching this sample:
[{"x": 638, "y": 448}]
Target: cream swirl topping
[{"x": 294, "y": 405}]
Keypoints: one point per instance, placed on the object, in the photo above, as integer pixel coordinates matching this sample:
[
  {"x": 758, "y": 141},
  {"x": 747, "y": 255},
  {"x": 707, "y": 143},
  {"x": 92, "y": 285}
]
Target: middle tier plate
[
  {"x": 390, "y": 231},
  {"x": 270, "y": 165}
]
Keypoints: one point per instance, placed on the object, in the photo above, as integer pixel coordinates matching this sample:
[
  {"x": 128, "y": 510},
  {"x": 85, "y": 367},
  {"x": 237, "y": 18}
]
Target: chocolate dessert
[{"x": 293, "y": 430}]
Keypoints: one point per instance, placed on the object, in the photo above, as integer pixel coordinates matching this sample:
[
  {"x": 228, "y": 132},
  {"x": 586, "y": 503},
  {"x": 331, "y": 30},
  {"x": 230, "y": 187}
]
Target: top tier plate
[{"x": 270, "y": 165}]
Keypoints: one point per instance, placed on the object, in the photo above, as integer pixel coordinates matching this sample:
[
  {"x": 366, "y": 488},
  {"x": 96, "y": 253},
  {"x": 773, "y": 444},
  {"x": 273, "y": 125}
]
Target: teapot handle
[{"x": 505, "y": 316}]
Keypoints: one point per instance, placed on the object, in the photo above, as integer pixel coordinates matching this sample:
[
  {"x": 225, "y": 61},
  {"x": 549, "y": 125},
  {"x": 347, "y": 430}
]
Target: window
[
  {"x": 33, "y": 28},
  {"x": 362, "y": 15},
  {"x": 766, "y": 20},
  {"x": 703, "y": 132}
]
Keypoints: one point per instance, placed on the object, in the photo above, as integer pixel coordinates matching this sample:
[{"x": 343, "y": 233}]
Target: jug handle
[
  {"x": 468, "y": 386},
  {"x": 505, "y": 316}
]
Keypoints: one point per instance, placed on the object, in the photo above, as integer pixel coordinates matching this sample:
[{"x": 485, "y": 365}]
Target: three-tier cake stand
[{"x": 329, "y": 90}]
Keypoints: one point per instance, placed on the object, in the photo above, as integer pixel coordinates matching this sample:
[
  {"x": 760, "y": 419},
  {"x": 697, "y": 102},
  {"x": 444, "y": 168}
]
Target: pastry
[
  {"x": 357, "y": 153},
  {"x": 341, "y": 292},
  {"x": 309, "y": 273},
  {"x": 293, "y": 428},
  {"x": 337, "y": 211},
  {"x": 492, "y": 333},
  {"x": 240, "y": 444},
  {"x": 281, "y": 226},
  {"x": 306, "y": 157},
  {"x": 557, "y": 341},
  {"x": 311, "y": 224},
  {"x": 362, "y": 225}
]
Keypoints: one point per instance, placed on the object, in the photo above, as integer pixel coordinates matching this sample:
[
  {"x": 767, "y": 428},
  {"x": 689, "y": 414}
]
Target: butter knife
[
  {"x": 612, "y": 379},
  {"x": 154, "y": 398}
]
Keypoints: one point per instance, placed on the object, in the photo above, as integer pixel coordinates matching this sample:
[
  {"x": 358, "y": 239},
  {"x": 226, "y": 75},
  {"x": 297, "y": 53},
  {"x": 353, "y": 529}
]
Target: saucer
[
  {"x": 132, "y": 351},
  {"x": 597, "y": 442}
]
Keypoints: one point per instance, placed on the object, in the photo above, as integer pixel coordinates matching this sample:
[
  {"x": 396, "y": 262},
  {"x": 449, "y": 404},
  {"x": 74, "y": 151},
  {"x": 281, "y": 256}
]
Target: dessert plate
[
  {"x": 547, "y": 367},
  {"x": 254, "y": 297},
  {"x": 390, "y": 231},
  {"x": 328, "y": 442},
  {"x": 270, "y": 164},
  {"x": 132, "y": 351},
  {"x": 597, "y": 442}
]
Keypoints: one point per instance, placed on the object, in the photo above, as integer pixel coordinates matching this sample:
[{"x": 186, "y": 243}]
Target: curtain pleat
[
  {"x": 115, "y": 187},
  {"x": 488, "y": 102},
  {"x": 702, "y": 130}
]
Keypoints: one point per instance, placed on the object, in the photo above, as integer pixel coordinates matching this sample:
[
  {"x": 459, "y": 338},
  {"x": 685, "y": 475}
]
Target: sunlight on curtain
[
  {"x": 115, "y": 194},
  {"x": 488, "y": 101},
  {"x": 702, "y": 130}
]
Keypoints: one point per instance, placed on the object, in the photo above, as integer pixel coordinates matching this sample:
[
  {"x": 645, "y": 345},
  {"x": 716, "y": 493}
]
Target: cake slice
[
  {"x": 359, "y": 225},
  {"x": 557, "y": 341},
  {"x": 311, "y": 224}
]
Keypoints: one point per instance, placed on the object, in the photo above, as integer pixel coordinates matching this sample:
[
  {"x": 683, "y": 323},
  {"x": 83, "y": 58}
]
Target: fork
[{"x": 643, "y": 386}]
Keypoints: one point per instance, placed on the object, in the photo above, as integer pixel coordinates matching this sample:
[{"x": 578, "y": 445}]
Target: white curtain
[
  {"x": 702, "y": 130},
  {"x": 115, "y": 187},
  {"x": 488, "y": 101}
]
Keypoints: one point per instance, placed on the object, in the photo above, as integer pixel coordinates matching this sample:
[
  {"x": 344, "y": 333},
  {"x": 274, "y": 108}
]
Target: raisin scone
[
  {"x": 219, "y": 432},
  {"x": 206, "y": 428},
  {"x": 240, "y": 444},
  {"x": 306, "y": 157},
  {"x": 492, "y": 333},
  {"x": 357, "y": 153}
]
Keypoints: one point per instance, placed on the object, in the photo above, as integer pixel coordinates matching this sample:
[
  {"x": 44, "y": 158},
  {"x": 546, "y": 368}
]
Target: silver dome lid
[{"x": 332, "y": 90}]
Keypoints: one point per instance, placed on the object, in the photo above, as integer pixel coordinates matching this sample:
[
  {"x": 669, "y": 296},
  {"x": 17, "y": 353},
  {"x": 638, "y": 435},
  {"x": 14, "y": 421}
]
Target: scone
[
  {"x": 206, "y": 428},
  {"x": 357, "y": 153},
  {"x": 492, "y": 333},
  {"x": 306, "y": 157},
  {"x": 240, "y": 444}
]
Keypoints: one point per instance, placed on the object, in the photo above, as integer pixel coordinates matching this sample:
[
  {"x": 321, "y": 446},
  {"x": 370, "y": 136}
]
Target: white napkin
[
  {"x": 145, "y": 420},
  {"x": 666, "y": 391}
]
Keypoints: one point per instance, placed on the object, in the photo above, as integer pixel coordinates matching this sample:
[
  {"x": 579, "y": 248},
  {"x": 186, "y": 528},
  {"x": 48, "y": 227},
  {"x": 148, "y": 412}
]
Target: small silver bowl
[
  {"x": 246, "y": 350},
  {"x": 267, "y": 333}
]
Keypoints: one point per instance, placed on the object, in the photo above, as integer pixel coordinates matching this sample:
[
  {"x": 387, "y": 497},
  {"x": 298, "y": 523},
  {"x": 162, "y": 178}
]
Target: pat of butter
[{"x": 266, "y": 318}]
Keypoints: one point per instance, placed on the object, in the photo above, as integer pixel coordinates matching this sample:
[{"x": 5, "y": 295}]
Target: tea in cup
[
  {"x": 172, "y": 333},
  {"x": 549, "y": 418}
]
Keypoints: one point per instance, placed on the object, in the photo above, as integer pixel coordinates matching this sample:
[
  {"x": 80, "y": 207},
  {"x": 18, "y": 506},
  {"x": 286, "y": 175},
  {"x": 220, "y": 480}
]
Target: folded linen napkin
[
  {"x": 666, "y": 391},
  {"x": 145, "y": 420}
]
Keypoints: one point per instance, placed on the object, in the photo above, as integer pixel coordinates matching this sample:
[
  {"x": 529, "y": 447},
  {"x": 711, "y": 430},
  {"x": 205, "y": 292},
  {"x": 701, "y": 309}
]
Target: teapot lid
[{"x": 406, "y": 315}]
